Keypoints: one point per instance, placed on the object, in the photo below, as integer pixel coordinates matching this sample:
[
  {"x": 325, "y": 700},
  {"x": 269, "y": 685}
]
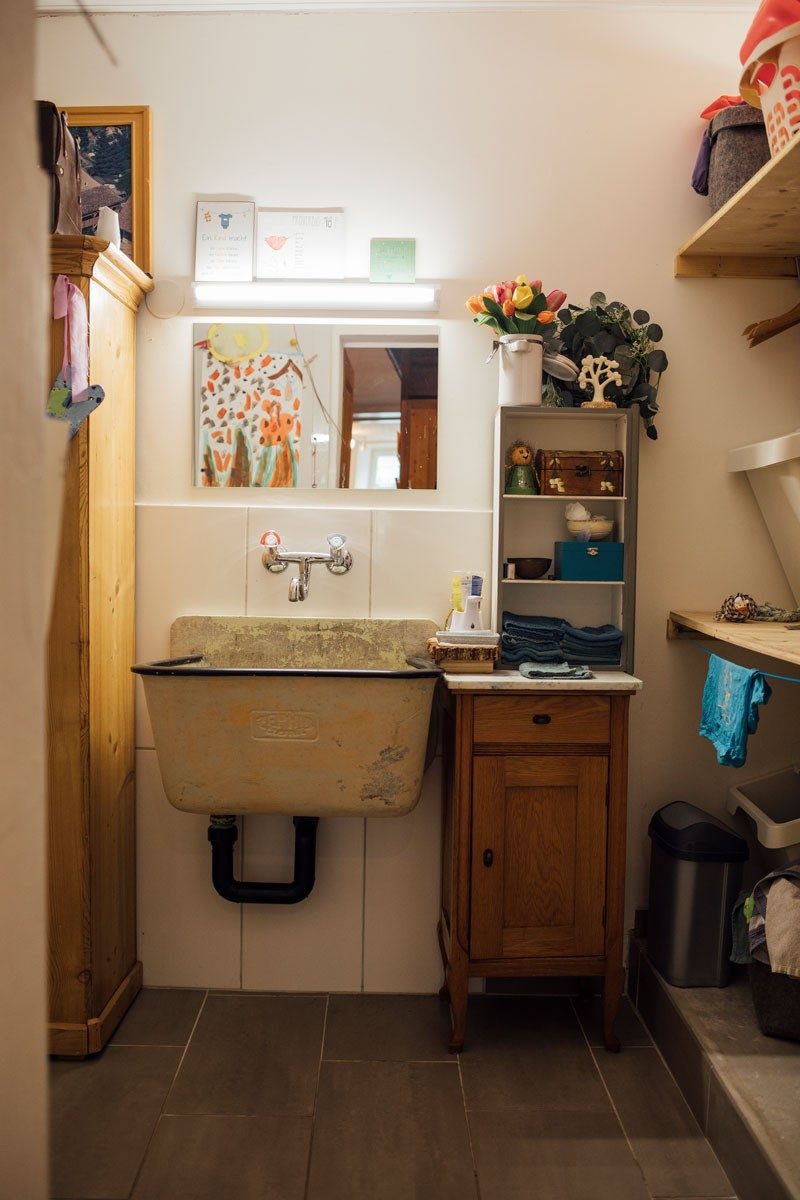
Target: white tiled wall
[{"x": 371, "y": 920}]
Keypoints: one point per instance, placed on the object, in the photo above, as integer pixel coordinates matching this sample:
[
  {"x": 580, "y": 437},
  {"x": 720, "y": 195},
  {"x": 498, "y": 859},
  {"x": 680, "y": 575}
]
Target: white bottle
[{"x": 471, "y": 616}]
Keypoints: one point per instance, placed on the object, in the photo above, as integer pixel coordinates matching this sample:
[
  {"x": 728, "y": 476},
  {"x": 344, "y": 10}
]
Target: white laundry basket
[{"x": 772, "y": 805}]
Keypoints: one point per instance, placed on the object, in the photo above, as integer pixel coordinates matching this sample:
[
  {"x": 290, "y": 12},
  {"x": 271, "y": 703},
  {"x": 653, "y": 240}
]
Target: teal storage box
[{"x": 587, "y": 561}]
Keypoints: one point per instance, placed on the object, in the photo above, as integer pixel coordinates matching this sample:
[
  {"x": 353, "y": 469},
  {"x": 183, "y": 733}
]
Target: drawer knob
[
  {"x": 541, "y": 719},
  {"x": 488, "y": 858}
]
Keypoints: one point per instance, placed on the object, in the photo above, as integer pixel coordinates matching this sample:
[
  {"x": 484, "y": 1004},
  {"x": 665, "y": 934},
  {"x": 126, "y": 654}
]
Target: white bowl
[{"x": 596, "y": 529}]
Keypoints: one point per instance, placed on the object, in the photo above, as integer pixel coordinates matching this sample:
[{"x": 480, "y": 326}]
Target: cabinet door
[{"x": 538, "y": 856}]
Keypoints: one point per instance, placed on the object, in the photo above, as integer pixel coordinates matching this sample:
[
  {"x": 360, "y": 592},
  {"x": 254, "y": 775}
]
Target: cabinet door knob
[
  {"x": 488, "y": 858},
  {"x": 541, "y": 719}
]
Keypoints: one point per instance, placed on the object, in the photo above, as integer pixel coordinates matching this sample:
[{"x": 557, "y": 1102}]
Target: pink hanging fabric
[{"x": 68, "y": 302}]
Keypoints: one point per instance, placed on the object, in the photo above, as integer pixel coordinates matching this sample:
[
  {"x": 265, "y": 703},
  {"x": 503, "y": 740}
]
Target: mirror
[{"x": 320, "y": 405}]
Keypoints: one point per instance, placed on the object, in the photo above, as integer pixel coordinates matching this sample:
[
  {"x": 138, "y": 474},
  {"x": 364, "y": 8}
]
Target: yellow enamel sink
[{"x": 306, "y": 717}]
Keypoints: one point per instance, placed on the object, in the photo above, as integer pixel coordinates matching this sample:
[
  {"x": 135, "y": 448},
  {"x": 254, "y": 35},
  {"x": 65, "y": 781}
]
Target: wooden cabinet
[
  {"x": 534, "y": 840},
  {"x": 538, "y": 872},
  {"x": 94, "y": 973}
]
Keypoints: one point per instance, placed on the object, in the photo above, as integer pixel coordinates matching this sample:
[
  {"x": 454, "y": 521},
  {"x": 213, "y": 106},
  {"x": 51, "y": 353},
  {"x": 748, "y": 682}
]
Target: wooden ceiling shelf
[
  {"x": 756, "y": 235},
  {"x": 762, "y": 637}
]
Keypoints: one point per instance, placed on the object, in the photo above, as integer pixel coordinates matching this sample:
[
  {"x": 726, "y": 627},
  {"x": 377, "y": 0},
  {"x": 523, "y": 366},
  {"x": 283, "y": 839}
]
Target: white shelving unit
[{"x": 530, "y": 525}]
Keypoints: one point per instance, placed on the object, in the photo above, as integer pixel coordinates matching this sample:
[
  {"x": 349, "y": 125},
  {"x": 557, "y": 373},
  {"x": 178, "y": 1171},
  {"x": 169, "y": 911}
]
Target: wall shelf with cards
[{"x": 532, "y": 529}]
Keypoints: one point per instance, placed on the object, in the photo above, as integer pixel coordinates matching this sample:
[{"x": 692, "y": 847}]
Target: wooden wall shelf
[
  {"x": 773, "y": 639},
  {"x": 756, "y": 235}
]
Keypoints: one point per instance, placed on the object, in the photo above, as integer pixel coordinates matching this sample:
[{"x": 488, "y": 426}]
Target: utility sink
[{"x": 278, "y": 715}]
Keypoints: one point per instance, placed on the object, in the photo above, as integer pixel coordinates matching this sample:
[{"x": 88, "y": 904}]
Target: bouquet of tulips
[{"x": 518, "y": 306}]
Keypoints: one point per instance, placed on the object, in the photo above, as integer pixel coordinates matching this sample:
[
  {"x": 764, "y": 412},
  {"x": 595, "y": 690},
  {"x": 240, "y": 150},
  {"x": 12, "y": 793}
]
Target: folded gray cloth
[
  {"x": 554, "y": 671},
  {"x": 777, "y": 932}
]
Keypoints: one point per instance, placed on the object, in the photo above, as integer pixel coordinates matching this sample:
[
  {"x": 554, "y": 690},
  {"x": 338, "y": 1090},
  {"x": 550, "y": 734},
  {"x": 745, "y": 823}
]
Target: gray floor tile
[
  {"x": 216, "y": 1158},
  {"x": 574, "y": 1155},
  {"x": 387, "y": 1028},
  {"x": 390, "y": 1131},
  {"x": 675, "y": 1157},
  {"x": 675, "y": 1041},
  {"x": 159, "y": 1017},
  {"x": 251, "y": 1055},
  {"x": 528, "y": 1053},
  {"x": 751, "y": 1174},
  {"x": 628, "y": 1027},
  {"x": 103, "y": 1112}
]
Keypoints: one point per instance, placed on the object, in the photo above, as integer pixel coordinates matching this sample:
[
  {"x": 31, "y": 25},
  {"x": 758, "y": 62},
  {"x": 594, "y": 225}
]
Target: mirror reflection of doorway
[{"x": 389, "y": 416}]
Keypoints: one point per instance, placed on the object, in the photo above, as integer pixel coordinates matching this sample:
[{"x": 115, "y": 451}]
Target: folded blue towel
[
  {"x": 541, "y": 639},
  {"x": 554, "y": 671}
]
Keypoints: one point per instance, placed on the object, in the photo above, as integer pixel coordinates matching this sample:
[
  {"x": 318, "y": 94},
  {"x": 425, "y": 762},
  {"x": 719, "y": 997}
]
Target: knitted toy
[{"x": 739, "y": 607}]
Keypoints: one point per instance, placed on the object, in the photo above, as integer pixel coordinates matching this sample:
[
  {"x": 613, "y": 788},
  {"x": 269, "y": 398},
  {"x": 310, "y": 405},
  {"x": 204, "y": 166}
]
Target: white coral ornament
[{"x": 598, "y": 371}]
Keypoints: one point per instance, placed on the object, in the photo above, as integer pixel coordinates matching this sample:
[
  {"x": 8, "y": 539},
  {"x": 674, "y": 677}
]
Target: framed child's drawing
[{"x": 248, "y": 406}]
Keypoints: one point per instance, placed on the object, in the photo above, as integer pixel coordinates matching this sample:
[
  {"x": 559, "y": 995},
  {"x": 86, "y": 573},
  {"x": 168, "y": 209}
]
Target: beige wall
[
  {"x": 559, "y": 144},
  {"x": 23, "y": 483}
]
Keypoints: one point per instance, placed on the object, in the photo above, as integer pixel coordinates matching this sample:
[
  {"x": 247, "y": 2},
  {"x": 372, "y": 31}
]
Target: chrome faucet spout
[{"x": 275, "y": 559}]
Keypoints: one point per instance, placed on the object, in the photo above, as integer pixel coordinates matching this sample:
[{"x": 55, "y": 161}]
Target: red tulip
[{"x": 556, "y": 300}]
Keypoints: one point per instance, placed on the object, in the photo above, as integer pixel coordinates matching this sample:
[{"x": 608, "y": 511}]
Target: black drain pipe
[{"x": 222, "y": 833}]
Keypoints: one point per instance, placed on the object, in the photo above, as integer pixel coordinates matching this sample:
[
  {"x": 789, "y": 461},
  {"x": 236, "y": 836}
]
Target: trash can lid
[{"x": 694, "y": 835}]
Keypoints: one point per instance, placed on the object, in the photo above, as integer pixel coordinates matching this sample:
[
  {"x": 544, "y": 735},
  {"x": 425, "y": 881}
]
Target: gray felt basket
[{"x": 739, "y": 148}]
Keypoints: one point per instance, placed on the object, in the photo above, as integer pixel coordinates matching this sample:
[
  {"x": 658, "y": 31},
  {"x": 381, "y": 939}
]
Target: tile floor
[{"x": 224, "y": 1096}]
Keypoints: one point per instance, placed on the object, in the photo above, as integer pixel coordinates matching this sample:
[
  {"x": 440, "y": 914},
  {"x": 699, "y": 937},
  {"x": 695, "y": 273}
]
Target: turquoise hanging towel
[{"x": 731, "y": 697}]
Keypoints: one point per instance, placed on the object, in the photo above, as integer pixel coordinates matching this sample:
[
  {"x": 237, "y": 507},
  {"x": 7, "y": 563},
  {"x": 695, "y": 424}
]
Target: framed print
[
  {"x": 304, "y": 243},
  {"x": 115, "y": 159},
  {"x": 224, "y": 241}
]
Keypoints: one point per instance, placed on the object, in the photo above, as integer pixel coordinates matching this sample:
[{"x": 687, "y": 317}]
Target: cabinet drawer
[{"x": 541, "y": 720}]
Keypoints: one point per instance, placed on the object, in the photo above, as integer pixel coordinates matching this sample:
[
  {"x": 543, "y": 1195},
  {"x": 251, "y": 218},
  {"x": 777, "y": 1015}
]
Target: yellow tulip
[
  {"x": 521, "y": 279},
  {"x": 522, "y": 296}
]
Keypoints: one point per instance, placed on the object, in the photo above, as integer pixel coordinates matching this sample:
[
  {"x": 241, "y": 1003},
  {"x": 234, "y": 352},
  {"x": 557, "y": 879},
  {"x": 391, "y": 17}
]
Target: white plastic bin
[{"x": 772, "y": 804}]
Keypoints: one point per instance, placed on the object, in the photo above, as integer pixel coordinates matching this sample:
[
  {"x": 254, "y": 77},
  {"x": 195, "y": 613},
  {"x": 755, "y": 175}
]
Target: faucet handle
[
  {"x": 341, "y": 560},
  {"x": 271, "y": 558}
]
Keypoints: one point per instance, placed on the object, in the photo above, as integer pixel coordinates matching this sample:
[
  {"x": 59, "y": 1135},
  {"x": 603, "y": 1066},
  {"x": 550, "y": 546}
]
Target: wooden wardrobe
[{"x": 94, "y": 973}]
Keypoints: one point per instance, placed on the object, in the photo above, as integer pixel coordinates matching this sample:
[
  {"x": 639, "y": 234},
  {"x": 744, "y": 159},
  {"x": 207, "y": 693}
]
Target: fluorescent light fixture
[{"x": 322, "y": 294}]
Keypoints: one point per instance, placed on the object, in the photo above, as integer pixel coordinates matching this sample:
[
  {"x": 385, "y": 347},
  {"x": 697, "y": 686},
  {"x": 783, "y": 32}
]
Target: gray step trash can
[{"x": 696, "y": 865}]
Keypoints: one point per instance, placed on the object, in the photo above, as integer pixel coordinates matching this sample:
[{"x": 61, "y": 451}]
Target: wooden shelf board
[
  {"x": 762, "y": 637},
  {"x": 570, "y": 582},
  {"x": 568, "y": 499},
  {"x": 757, "y": 233}
]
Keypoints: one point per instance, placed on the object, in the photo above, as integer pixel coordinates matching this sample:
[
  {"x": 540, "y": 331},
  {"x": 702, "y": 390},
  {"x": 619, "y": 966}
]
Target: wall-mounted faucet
[{"x": 337, "y": 560}]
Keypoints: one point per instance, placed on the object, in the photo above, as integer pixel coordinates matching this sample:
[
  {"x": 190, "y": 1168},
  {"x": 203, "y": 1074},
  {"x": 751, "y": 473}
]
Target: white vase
[{"x": 520, "y": 369}]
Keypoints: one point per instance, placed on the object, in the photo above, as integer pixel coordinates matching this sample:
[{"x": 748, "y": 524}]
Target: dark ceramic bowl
[{"x": 530, "y": 568}]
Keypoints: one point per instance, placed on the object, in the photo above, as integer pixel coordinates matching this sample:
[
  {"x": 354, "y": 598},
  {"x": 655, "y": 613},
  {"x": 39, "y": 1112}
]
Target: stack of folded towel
[
  {"x": 597, "y": 647},
  {"x": 532, "y": 639},
  {"x": 552, "y": 639}
]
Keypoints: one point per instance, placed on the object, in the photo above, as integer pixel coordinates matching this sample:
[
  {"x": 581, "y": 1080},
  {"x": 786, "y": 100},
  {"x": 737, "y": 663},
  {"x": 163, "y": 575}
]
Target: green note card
[{"x": 392, "y": 260}]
